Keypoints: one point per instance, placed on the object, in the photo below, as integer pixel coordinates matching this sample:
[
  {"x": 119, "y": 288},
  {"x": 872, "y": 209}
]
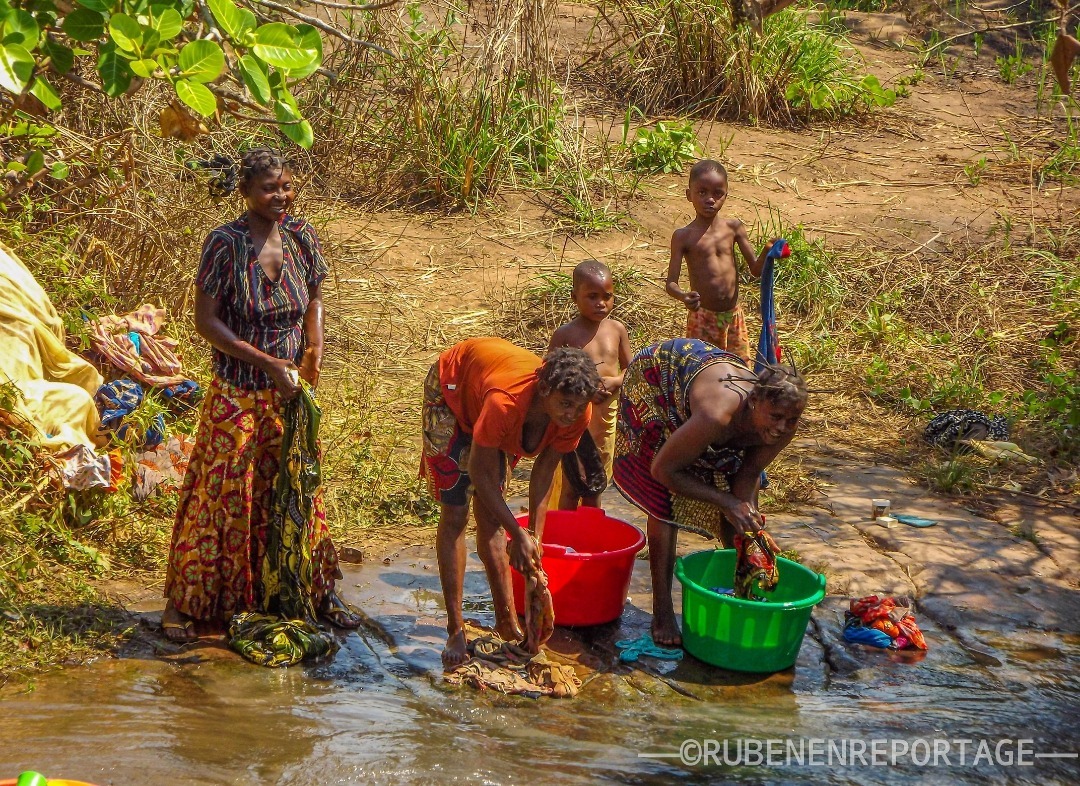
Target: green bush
[{"x": 686, "y": 57}]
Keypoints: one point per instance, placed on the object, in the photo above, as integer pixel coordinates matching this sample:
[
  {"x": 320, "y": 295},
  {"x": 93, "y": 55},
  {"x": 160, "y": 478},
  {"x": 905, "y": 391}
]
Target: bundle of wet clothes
[
  {"x": 887, "y": 623},
  {"x": 755, "y": 567}
]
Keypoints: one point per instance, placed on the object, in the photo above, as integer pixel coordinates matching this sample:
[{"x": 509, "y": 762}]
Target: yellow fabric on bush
[{"x": 57, "y": 386}]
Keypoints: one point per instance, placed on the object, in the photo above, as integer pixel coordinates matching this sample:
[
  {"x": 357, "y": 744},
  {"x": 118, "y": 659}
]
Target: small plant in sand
[
  {"x": 1025, "y": 531},
  {"x": 666, "y": 147},
  {"x": 974, "y": 170},
  {"x": 1012, "y": 67}
]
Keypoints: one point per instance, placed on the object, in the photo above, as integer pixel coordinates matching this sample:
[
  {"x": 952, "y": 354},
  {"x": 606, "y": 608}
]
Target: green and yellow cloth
[{"x": 285, "y": 632}]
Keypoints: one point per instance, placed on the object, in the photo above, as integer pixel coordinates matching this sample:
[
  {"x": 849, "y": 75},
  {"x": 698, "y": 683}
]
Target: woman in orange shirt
[{"x": 487, "y": 403}]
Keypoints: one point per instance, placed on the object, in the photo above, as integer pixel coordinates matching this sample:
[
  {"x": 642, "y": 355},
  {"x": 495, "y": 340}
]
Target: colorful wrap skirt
[
  {"x": 654, "y": 402},
  {"x": 222, "y": 520}
]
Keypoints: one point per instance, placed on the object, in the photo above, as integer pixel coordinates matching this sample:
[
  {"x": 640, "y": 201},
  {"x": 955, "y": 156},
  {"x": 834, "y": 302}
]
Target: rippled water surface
[{"x": 379, "y": 714}]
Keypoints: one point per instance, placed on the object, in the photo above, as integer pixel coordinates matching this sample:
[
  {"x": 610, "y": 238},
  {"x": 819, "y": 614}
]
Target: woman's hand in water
[
  {"x": 743, "y": 516},
  {"x": 286, "y": 377}
]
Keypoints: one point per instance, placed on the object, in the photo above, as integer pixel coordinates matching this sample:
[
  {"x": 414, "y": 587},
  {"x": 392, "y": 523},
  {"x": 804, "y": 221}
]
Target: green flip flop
[{"x": 914, "y": 521}]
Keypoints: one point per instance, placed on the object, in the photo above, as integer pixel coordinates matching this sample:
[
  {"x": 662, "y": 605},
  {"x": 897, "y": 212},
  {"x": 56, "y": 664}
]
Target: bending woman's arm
[
  {"x": 485, "y": 472},
  {"x": 543, "y": 473},
  {"x": 210, "y": 326},
  {"x": 682, "y": 449}
]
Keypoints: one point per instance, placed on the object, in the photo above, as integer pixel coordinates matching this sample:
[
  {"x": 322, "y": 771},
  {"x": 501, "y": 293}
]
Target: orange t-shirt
[{"x": 489, "y": 383}]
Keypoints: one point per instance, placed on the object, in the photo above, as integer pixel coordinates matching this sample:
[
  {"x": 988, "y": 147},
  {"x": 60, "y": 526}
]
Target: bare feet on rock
[
  {"x": 665, "y": 632},
  {"x": 454, "y": 654},
  {"x": 510, "y": 631}
]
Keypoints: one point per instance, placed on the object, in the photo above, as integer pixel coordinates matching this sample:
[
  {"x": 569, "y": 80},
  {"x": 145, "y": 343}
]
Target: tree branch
[
  {"x": 326, "y": 28},
  {"x": 350, "y": 7}
]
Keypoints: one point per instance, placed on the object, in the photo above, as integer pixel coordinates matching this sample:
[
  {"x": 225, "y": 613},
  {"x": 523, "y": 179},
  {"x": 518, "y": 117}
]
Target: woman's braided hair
[
  {"x": 570, "y": 371},
  {"x": 781, "y": 384},
  {"x": 229, "y": 174}
]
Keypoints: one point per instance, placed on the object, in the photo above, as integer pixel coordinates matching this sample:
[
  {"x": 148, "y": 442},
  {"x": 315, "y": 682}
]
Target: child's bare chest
[{"x": 711, "y": 244}]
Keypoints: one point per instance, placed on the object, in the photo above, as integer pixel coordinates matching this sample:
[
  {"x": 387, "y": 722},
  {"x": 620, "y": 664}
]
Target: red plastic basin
[{"x": 588, "y": 585}]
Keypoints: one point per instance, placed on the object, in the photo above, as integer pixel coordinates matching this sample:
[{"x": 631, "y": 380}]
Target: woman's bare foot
[
  {"x": 176, "y": 626},
  {"x": 510, "y": 631},
  {"x": 665, "y": 631},
  {"x": 454, "y": 653}
]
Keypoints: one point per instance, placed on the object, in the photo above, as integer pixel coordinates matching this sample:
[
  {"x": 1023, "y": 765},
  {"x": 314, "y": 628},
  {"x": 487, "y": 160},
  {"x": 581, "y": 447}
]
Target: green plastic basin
[{"x": 745, "y": 635}]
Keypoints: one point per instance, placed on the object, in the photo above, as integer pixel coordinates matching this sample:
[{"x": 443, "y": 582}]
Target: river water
[{"x": 378, "y": 713}]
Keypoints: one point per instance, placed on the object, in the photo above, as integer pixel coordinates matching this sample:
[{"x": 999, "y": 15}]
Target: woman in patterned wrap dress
[
  {"x": 695, "y": 429},
  {"x": 258, "y": 302}
]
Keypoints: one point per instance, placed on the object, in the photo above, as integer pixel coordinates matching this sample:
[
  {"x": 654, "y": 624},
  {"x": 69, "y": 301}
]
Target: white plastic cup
[{"x": 880, "y": 508}]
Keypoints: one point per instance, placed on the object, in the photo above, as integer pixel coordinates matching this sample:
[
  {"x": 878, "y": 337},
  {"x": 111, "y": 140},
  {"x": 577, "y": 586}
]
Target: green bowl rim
[{"x": 813, "y": 600}]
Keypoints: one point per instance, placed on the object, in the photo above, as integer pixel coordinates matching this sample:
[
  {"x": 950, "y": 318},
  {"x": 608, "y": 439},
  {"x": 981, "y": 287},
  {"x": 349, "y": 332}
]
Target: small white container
[
  {"x": 880, "y": 508},
  {"x": 888, "y": 522}
]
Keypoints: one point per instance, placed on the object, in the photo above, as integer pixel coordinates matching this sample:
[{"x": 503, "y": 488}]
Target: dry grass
[{"x": 687, "y": 58}]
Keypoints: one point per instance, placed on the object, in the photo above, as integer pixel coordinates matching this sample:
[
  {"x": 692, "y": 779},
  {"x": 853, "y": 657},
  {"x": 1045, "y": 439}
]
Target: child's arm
[
  {"x": 754, "y": 260},
  {"x": 692, "y": 300},
  {"x": 614, "y": 383}
]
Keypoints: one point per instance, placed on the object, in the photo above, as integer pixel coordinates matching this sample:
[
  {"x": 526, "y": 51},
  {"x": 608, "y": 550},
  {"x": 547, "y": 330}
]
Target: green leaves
[
  {"x": 201, "y": 61},
  {"x": 126, "y": 32},
  {"x": 310, "y": 40},
  {"x": 166, "y": 21},
  {"x": 163, "y": 40},
  {"x": 84, "y": 24},
  {"x": 16, "y": 67},
  {"x": 237, "y": 24},
  {"x": 293, "y": 125},
  {"x": 60, "y": 56},
  {"x": 197, "y": 96},
  {"x": 20, "y": 28},
  {"x": 256, "y": 78},
  {"x": 282, "y": 45},
  {"x": 114, "y": 71},
  {"x": 45, "y": 93}
]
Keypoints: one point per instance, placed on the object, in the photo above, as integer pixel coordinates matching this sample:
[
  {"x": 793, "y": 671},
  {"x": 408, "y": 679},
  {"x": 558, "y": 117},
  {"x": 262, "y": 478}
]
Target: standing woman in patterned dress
[{"x": 258, "y": 302}]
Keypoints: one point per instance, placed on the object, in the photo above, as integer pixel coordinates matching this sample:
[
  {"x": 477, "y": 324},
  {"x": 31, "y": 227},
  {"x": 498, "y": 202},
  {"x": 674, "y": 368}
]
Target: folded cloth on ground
[
  {"x": 132, "y": 344},
  {"x": 120, "y": 398},
  {"x": 81, "y": 468},
  {"x": 755, "y": 564},
  {"x": 508, "y": 668},
  {"x": 268, "y": 640},
  {"x": 891, "y": 616},
  {"x": 1000, "y": 451},
  {"x": 950, "y": 429},
  {"x": 164, "y": 465},
  {"x": 55, "y": 387}
]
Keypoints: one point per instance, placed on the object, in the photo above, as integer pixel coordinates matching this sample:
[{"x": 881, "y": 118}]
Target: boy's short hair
[
  {"x": 706, "y": 165},
  {"x": 591, "y": 268}
]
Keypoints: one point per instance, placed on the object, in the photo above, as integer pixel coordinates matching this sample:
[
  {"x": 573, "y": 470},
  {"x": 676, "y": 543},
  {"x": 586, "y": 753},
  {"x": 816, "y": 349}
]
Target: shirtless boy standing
[
  {"x": 606, "y": 341},
  {"x": 708, "y": 245}
]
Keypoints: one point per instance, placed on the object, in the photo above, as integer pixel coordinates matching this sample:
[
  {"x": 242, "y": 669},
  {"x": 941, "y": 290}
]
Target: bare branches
[
  {"x": 350, "y": 7},
  {"x": 320, "y": 24}
]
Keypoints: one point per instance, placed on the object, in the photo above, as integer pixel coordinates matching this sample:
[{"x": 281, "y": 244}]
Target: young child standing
[
  {"x": 606, "y": 341},
  {"x": 708, "y": 245}
]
